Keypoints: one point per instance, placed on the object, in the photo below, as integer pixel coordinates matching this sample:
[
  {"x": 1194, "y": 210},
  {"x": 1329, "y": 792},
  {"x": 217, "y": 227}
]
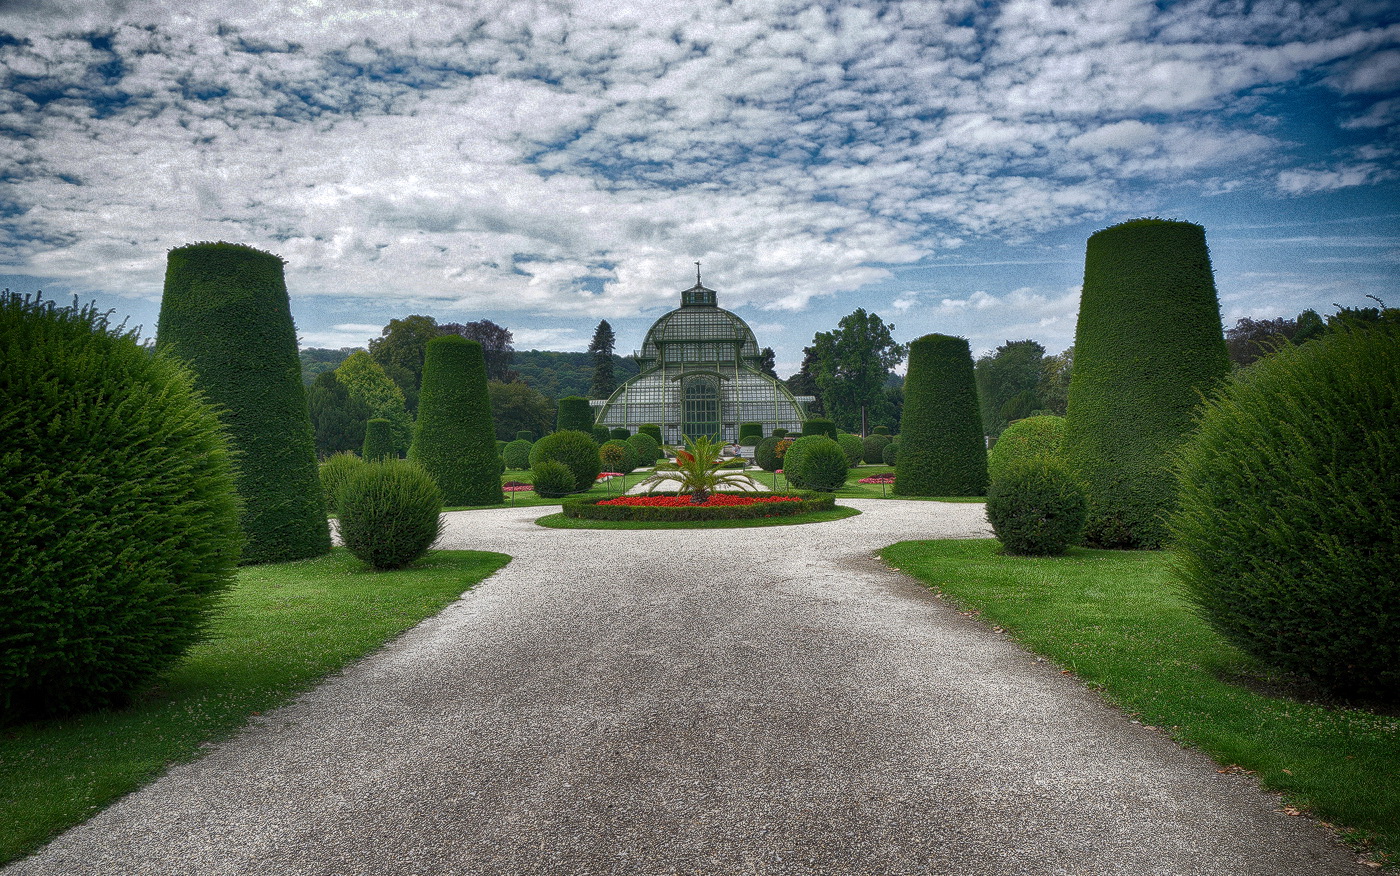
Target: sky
[{"x": 547, "y": 165}]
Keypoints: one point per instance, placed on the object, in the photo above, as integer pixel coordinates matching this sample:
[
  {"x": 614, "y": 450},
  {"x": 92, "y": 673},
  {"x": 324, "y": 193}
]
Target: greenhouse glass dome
[{"x": 701, "y": 376}]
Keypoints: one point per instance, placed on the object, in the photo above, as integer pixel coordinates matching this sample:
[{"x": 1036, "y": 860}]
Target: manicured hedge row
[{"x": 589, "y": 509}]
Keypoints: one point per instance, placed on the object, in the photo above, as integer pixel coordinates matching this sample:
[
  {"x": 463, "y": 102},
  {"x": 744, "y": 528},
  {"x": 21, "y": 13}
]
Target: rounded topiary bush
[
  {"x": 619, "y": 433},
  {"x": 1034, "y": 436},
  {"x": 750, "y": 440},
  {"x": 517, "y": 454},
  {"x": 1036, "y": 507},
  {"x": 334, "y": 472},
  {"x": 119, "y": 525},
  {"x": 942, "y": 451},
  {"x": 575, "y": 414},
  {"x": 647, "y": 449},
  {"x": 764, "y": 454},
  {"x": 390, "y": 513},
  {"x": 890, "y": 455},
  {"x": 1287, "y": 529},
  {"x": 379, "y": 440},
  {"x": 815, "y": 462},
  {"x": 576, "y": 450},
  {"x": 552, "y": 480},
  {"x": 625, "y": 458},
  {"x": 853, "y": 446},
  {"x": 651, "y": 429},
  {"x": 453, "y": 439},
  {"x": 747, "y": 429},
  {"x": 819, "y": 427},
  {"x": 872, "y": 449}
]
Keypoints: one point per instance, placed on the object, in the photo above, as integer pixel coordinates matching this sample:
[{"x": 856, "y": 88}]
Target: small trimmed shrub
[
  {"x": 765, "y": 455},
  {"x": 334, "y": 472},
  {"x": 624, "y": 463},
  {"x": 1036, "y": 507},
  {"x": 620, "y": 433},
  {"x": 780, "y": 433},
  {"x": 390, "y": 513},
  {"x": 379, "y": 441},
  {"x": 526, "y": 435},
  {"x": 1287, "y": 527},
  {"x": 872, "y": 449},
  {"x": 576, "y": 450},
  {"x": 517, "y": 454},
  {"x": 1034, "y": 436},
  {"x": 890, "y": 455},
  {"x": 819, "y": 427},
  {"x": 647, "y": 449},
  {"x": 880, "y": 430},
  {"x": 943, "y": 452},
  {"x": 750, "y": 440},
  {"x": 600, "y": 434},
  {"x": 853, "y": 447},
  {"x": 575, "y": 415},
  {"x": 815, "y": 462},
  {"x": 552, "y": 480},
  {"x": 651, "y": 429},
  {"x": 453, "y": 438},
  {"x": 118, "y": 518},
  {"x": 747, "y": 429}
]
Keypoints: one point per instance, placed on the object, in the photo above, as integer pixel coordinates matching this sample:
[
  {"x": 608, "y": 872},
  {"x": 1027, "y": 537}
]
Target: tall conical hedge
[
  {"x": 454, "y": 439},
  {"x": 575, "y": 415},
  {"x": 225, "y": 312},
  {"x": 941, "y": 448},
  {"x": 1148, "y": 345}
]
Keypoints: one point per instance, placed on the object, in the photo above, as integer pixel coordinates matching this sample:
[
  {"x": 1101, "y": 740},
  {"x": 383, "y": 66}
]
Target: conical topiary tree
[
  {"x": 1148, "y": 345},
  {"x": 453, "y": 439},
  {"x": 941, "y": 448},
  {"x": 575, "y": 415},
  {"x": 379, "y": 440},
  {"x": 225, "y": 312}
]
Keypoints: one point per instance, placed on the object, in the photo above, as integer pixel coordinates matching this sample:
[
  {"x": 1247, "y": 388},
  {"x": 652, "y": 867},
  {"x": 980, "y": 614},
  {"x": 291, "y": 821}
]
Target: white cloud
[
  {"x": 563, "y": 339},
  {"x": 1301, "y": 182}
]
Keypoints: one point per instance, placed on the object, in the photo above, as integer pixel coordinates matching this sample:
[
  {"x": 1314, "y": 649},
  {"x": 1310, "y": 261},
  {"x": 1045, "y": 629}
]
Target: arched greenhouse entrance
[{"x": 700, "y": 406}]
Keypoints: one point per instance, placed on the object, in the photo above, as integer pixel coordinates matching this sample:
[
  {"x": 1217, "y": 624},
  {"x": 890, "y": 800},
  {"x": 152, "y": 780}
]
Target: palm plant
[{"x": 698, "y": 470}]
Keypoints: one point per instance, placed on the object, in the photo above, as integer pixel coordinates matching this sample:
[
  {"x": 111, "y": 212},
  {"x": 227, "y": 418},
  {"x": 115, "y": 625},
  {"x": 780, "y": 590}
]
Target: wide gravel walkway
[{"x": 736, "y": 701}]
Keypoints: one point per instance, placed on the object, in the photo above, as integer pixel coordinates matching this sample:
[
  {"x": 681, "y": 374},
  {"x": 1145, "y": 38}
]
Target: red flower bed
[{"x": 715, "y": 500}]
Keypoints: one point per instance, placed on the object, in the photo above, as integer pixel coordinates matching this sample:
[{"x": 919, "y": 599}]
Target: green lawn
[
  {"x": 285, "y": 627},
  {"x": 559, "y": 521},
  {"x": 1113, "y": 619}
]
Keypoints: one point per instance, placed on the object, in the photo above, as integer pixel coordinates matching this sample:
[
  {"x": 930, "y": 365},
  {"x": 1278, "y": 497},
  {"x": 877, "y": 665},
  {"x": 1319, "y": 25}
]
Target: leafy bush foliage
[
  {"x": 765, "y": 456},
  {"x": 872, "y": 449},
  {"x": 890, "y": 455},
  {"x": 942, "y": 451},
  {"x": 1036, "y": 507},
  {"x": 225, "y": 312},
  {"x": 390, "y": 513},
  {"x": 620, "y": 433},
  {"x": 369, "y": 384},
  {"x": 575, "y": 415},
  {"x": 576, "y": 450},
  {"x": 1147, "y": 346},
  {"x": 454, "y": 440},
  {"x": 517, "y": 454},
  {"x": 1034, "y": 436},
  {"x": 880, "y": 430},
  {"x": 551, "y": 479},
  {"x": 819, "y": 427},
  {"x": 626, "y": 458},
  {"x": 1288, "y": 524},
  {"x": 118, "y": 517},
  {"x": 815, "y": 462},
  {"x": 853, "y": 447},
  {"x": 747, "y": 429},
  {"x": 379, "y": 441},
  {"x": 647, "y": 449},
  {"x": 651, "y": 429},
  {"x": 334, "y": 472},
  {"x": 337, "y": 420}
]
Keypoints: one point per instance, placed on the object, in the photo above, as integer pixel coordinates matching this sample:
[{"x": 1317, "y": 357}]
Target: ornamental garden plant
[
  {"x": 576, "y": 451},
  {"x": 390, "y": 513},
  {"x": 942, "y": 451},
  {"x": 453, "y": 439}
]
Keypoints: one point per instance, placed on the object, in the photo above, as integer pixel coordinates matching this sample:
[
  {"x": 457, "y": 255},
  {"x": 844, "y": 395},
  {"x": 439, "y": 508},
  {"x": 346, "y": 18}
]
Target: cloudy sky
[{"x": 549, "y": 164}]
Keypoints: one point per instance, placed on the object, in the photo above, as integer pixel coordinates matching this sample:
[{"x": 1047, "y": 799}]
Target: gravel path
[{"x": 765, "y": 701}]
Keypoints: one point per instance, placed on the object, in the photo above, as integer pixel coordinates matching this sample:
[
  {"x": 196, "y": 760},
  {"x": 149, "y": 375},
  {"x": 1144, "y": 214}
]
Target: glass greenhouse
[{"x": 700, "y": 376}]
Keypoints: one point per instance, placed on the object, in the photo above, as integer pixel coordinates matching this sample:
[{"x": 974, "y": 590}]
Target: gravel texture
[{"x": 759, "y": 701}]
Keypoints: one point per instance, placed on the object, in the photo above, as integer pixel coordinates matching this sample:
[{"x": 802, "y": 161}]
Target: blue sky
[{"x": 549, "y": 164}]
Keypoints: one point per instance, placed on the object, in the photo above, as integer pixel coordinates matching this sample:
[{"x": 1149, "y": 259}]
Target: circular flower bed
[{"x": 678, "y": 507}]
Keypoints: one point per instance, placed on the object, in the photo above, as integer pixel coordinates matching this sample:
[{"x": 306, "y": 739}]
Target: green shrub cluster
[
  {"x": 765, "y": 456},
  {"x": 620, "y": 433},
  {"x": 517, "y": 454},
  {"x": 368, "y": 383},
  {"x": 390, "y": 513},
  {"x": 525, "y": 435},
  {"x": 600, "y": 434},
  {"x": 576, "y": 450},
  {"x": 880, "y": 430},
  {"x": 379, "y": 441},
  {"x": 872, "y": 449},
  {"x": 890, "y": 455},
  {"x": 651, "y": 429},
  {"x": 118, "y": 517},
  {"x": 750, "y": 440},
  {"x": 337, "y": 420},
  {"x": 747, "y": 429},
  {"x": 942, "y": 451},
  {"x": 1148, "y": 345},
  {"x": 551, "y": 479},
  {"x": 453, "y": 439},
  {"x": 625, "y": 458},
  {"x": 647, "y": 449},
  {"x": 589, "y": 509},
  {"x": 815, "y": 462},
  {"x": 780, "y": 433},
  {"x": 853, "y": 446},
  {"x": 1036, "y": 507},
  {"x": 1042, "y": 435},
  {"x": 575, "y": 415},
  {"x": 1287, "y": 531},
  {"x": 334, "y": 472},
  {"x": 819, "y": 427},
  {"x": 225, "y": 312}
]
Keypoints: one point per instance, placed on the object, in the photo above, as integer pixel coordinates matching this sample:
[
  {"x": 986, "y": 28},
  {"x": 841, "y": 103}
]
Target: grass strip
[
  {"x": 284, "y": 627},
  {"x": 1115, "y": 619},
  {"x": 559, "y": 521}
]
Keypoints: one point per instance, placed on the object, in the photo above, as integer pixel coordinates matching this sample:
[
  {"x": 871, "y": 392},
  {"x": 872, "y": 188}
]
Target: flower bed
[{"x": 675, "y": 507}]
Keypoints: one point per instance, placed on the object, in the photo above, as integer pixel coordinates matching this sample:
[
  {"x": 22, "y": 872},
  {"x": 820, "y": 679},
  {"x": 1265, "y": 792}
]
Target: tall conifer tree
[{"x": 601, "y": 347}]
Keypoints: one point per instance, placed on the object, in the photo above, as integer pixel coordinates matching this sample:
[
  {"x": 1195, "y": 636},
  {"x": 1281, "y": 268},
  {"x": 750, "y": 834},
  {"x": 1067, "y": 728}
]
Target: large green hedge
[
  {"x": 118, "y": 516},
  {"x": 225, "y": 312},
  {"x": 1287, "y": 531},
  {"x": 941, "y": 448},
  {"x": 575, "y": 415},
  {"x": 819, "y": 427},
  {"x": 453, "y": 439},
  {"x": 1147, "y": 346}
]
